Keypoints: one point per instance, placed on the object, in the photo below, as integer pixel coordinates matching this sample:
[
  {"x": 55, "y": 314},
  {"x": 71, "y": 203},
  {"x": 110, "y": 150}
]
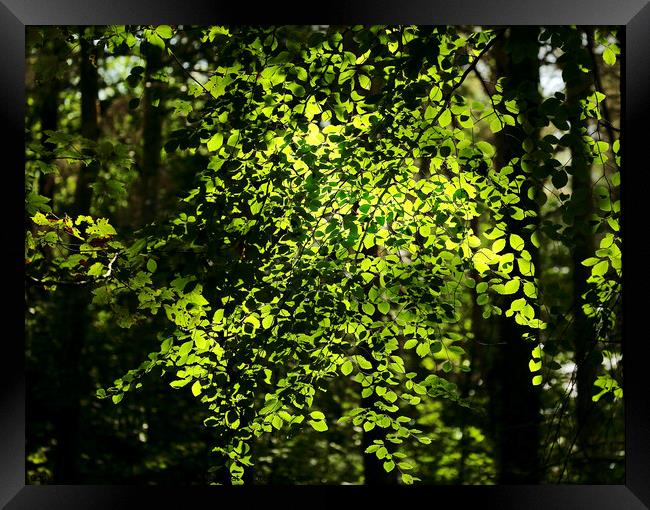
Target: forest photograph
[{"x": 323, "y": 255}]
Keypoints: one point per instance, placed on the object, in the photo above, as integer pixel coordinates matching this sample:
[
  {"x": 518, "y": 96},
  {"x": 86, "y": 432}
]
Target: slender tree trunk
[
  {"x": 151, "y": 137},
  {"x": 49, "y": 122},
  {"x": 73, "y": 314},
  {"x": 515, "y": 403},
  {"x": 604, "y": 109},
  {"x": 373, "y": 468},
  {"x": 588, "y": 413},
  {"x": 88, "y": 84},
  {"x": 469, "y": 378}
]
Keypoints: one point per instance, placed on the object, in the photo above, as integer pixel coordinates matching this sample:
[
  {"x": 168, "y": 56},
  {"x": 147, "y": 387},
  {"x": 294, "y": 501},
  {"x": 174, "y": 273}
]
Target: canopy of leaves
[{"x": 347, "y": 210}]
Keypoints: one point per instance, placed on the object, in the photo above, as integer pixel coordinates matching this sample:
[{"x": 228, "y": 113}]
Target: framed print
[{"x": 392, "y": 250}]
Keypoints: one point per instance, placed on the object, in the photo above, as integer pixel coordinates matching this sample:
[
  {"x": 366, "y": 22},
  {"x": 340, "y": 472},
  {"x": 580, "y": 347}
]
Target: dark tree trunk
[
  {"x": 588, "y": 413},
  {"x": 515, "y": 402},
  {"x": 49, "y": 122},
  {"x": 151, "y": 137},
  {"x": 470, "y": 378},
  {"x": 73, "y": 314},
  {"x": 88, "y": 83},
  {"x": 373, "y": 468}
]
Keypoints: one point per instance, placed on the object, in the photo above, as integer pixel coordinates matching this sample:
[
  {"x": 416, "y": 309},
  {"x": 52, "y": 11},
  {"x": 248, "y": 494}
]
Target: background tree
[{"x": 517, "y": 433}]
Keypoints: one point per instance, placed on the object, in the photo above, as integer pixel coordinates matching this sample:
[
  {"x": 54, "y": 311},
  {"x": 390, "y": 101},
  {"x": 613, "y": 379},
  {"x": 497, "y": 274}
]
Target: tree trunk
[
  {"x": 515, "y": 403},
  {"x": 49, "y": 122},
  {"x": 88, "y": 83},
  {"x": 151, "y": 137},
  {"x": 74, "y": 299},
  {"x": 373, "y": 468},
  {"x": 588, "y": 413},
  {"x": 469, "y": 379}
]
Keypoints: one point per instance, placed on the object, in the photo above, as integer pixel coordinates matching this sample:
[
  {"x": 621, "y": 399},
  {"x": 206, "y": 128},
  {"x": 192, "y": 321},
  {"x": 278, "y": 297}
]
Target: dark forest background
[{"x": 136, "y": 102}]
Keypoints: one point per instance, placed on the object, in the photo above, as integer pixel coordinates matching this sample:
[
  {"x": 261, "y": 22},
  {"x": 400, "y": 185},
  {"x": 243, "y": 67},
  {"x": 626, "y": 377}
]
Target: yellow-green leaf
[
  {"x": 445, "y": 118},
  {"x": 318, "y": 425}
]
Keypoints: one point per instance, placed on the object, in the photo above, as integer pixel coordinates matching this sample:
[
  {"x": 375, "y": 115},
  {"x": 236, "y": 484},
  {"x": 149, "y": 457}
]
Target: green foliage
[{"x": 334, "y": 218}]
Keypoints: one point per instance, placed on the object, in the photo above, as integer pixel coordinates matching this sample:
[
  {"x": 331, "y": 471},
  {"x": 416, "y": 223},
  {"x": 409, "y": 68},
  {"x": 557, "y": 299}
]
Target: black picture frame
[{"x": 633, "y": 15}]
